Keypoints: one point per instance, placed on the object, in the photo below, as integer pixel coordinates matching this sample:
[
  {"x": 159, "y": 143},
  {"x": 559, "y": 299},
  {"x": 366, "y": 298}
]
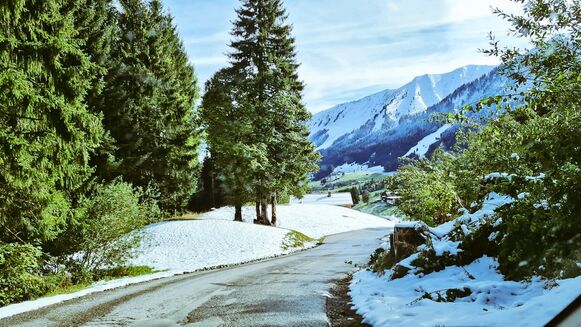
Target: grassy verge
[
  {"x": 65, "y": 287},
  {"x": 295, "y": 239},
  {"x": 186, "y": 216}
]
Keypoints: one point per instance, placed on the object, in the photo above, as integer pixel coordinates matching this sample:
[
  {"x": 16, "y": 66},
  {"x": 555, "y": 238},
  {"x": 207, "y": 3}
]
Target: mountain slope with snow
[{"x": 380, "y": 128}]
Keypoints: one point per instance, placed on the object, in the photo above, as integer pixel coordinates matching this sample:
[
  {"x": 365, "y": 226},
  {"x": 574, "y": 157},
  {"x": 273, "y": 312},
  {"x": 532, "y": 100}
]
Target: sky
[{"x": 349, "y": 49}]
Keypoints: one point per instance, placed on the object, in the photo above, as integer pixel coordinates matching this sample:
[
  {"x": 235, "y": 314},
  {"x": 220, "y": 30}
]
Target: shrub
[
  {"x": 19, "y": 279},
  {"x": 428, "y": 193},
  {"x": 106, "y": 224}
]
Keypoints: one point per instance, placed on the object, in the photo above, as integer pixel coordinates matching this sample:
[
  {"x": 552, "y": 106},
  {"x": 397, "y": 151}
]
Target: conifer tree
[
  {"x": 46, "y": 131},
  {"x": 258, "y": 99},
  {"x": 228, "y": 125},
  {"x": 96, "y": 24},
  {"x": 263, "y": 57},
  {"x": 148, "y": 105}
]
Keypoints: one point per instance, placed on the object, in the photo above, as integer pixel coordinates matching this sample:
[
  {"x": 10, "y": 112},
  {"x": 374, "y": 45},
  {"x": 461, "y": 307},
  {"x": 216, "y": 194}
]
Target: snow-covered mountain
[{"x": 380, "y": 128}]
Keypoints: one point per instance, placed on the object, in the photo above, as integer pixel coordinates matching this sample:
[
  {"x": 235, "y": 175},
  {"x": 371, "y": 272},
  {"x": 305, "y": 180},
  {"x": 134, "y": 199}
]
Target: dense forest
[{"x": 100, "y": 132}]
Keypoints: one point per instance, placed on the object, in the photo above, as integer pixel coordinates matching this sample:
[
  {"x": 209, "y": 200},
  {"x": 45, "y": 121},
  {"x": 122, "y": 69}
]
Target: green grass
[
  {"x": 347, "y": 180},
  {"x": 295, "y": 239},
  {"x": 67, "y": 289},
  {"x": 102, "y": 274},
  {"x": 124, "y": 271},
  {"x": 186, "y": 216}
]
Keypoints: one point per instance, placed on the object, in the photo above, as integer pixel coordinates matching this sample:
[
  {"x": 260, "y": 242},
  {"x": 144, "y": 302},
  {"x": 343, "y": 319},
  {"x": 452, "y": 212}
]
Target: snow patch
[
  {"x": 421, "y": 148},
  {"x": 492, "y": 301}
]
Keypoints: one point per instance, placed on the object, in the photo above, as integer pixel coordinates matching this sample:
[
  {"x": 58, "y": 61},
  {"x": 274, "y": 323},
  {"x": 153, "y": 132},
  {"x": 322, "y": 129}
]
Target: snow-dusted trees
[
  {"x": 530, "y": 153},
  {"x": 259, "y": 97}
]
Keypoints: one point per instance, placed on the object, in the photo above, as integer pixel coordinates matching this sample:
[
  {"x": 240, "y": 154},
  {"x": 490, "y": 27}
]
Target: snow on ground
[
  {"x": 423, "y": 145},
  {"x": 190, "y": 245},
  {"x": 356, "y": 168},
  {"x": 184, "y": 246},
  {"x": 314, "y": 220},
  {"x": 493, "y": 301},
  {"x": 340, "y": 199}
]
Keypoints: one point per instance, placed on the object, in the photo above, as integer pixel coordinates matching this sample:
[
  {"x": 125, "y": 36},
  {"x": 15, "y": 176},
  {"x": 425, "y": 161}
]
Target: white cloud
[{"x": 347, "y": 48}]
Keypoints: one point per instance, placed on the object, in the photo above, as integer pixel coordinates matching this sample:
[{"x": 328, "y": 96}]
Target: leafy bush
[
  {"x": 106, "y": 224},
  {"x": 19, "y": 279},
  {"x": 428, "y": 191}
]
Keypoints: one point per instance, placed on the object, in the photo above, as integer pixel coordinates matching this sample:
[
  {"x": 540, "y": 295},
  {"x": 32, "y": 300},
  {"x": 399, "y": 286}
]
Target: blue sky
[{"x": 351, "y": 48}]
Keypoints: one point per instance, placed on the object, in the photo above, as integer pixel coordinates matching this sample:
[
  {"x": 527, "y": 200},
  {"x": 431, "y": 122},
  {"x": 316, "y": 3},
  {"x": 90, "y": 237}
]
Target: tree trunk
[
  {"x": 258, "y": 209},
  {"x": 274, "y": 208},
  {"x": 238, "y": 212},
  {"x": 264, "y": 214}
]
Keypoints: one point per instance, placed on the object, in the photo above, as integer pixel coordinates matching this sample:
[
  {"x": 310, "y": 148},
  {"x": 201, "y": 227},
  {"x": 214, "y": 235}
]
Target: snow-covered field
[
  {"x": 493, "y": 301},
  {"x": 338, "y": 199},
  {"x": 184, "y": 246},
  {"x": 358, "y": 168},
  {"x": 314, "y": 220}
]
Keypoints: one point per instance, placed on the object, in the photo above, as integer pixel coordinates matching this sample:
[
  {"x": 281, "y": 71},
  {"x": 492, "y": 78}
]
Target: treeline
[
  {"x": 99, "y": 131},
  {"x": 530, "y": 151},
  {"x": 98, "y": 136}
]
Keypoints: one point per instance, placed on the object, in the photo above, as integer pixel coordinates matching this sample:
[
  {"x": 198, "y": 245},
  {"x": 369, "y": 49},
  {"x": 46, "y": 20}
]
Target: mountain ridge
[{"x": 380, "y": 128}]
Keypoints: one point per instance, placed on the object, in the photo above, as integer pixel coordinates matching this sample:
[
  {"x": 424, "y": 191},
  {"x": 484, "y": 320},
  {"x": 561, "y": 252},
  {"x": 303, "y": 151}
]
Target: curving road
[{"x": 285, "y": 291}]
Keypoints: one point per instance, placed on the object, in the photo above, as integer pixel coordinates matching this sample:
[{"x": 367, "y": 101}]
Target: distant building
[{"x": 343, "y": 199}]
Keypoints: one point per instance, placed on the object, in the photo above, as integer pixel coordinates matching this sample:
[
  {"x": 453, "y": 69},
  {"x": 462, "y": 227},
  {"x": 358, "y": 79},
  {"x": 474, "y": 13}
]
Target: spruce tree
[
  {"x": 46, "y": 131},
  {"x": 96, "y": 24},
  {"x": 264, "y": 57},
  {"x": 148, "y": 105},
  {"x": 265, "y": 98},
  {"x": 228, "y": 125}
]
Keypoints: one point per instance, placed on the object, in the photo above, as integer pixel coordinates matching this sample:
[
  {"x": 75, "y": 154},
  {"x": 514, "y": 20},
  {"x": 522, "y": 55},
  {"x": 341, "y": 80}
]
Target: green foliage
[
  {"x": 428, "y": 190},
  {"x": 252, "y": 110},
  {"x": 295, "y": 239},
  {"x": 67, "y": 67},
  {"x": 46, "y": 131},
  {"x": 103, "y": 232},
  {"x": 545, "y": 133},
  {"x": 19, "y": 281},
  {"x": 536, "y": 143},
  {"x": 148, "y": 106},
  {"x": 123, "y": 271}
]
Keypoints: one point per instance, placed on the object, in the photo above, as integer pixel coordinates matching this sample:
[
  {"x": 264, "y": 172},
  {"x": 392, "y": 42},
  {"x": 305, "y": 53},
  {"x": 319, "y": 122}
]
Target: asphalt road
[{"x": 284, "y": 291}]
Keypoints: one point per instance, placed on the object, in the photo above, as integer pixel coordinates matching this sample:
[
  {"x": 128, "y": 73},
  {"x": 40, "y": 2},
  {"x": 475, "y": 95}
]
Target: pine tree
[
  {"x": 46, "y": 131},
  {"x": 228, "y": 125},
  {"x": 148, "y": 105},
  {"x": 263, "y": 59}
]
